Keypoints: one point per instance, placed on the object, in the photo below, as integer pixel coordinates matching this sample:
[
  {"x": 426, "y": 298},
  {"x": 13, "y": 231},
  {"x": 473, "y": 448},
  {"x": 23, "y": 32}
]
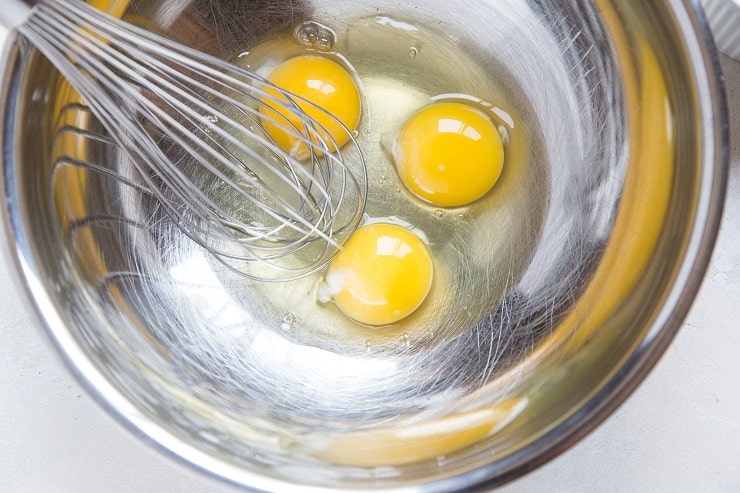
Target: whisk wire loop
[
  {"x": 191, "y": 126},
  {"x": 153, "y": 112}
]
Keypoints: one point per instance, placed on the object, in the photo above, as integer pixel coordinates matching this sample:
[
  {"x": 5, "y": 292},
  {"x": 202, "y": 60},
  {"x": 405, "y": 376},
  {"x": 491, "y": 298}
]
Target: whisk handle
[{"x": 14, "y": 13}]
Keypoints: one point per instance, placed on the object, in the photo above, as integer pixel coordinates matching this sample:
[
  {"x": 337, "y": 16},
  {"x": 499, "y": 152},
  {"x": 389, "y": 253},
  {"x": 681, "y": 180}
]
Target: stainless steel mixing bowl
[{"x": 610, "y": 227}]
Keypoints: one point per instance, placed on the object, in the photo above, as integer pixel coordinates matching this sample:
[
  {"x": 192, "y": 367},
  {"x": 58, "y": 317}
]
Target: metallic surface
[
  {"x": 190, "y": 133},
  {"x": 633, "y": 125}
]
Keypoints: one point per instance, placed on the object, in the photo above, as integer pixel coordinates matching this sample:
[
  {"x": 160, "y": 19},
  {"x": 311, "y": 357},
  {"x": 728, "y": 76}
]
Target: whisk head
[{"x": 191, "y": 128}]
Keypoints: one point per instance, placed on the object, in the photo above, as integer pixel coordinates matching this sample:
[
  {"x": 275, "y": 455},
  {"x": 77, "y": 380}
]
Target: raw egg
[
  {"x": 449, "y": 154},
  {"x": 381, "y": 275},
  {"x": 326, "y": 84}
]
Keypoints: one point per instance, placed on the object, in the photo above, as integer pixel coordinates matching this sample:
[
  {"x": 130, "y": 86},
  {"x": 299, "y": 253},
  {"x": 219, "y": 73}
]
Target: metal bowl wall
[{"x": 631, "y": 135}]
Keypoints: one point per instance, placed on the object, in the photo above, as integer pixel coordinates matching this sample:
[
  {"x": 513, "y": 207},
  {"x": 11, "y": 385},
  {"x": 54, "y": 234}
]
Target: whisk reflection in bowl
[{"x": 190, "y": 125}]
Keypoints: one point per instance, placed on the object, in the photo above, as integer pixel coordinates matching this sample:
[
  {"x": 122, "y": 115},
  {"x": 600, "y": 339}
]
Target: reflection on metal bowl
[{"x": 570, "y": 277}]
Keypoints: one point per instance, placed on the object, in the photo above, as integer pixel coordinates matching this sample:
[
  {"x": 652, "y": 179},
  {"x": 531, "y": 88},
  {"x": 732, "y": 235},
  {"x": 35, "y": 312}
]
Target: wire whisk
[{"x": 191, "y": 128}]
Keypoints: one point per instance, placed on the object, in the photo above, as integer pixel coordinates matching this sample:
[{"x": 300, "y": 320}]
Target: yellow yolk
[
  {"x": 381, "y": 275},
  {"x": 324, "y": 83},
  {"x": 449, "y": 154}
]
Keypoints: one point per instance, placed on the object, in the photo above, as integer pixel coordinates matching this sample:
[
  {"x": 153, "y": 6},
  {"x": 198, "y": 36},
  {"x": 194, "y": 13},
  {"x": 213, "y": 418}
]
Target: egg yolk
[
  {"x": 381, "y": 275},
  {"x": 324, "y": 83},
  {"x": 449, "y": 154}
]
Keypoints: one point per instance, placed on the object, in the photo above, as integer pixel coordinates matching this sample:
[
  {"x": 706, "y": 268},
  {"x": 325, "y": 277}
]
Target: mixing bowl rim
[
  {"x": 705, "y": 64},
  {"x": 684, "y": 289}
]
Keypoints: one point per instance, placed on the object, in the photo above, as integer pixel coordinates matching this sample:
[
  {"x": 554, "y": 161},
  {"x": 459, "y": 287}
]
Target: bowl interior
[{"x": 570, "y": 277}]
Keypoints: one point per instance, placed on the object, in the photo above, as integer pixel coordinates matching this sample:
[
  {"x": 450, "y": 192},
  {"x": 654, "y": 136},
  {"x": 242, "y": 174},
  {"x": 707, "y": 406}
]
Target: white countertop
[{"x": 680, "y": 432}]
